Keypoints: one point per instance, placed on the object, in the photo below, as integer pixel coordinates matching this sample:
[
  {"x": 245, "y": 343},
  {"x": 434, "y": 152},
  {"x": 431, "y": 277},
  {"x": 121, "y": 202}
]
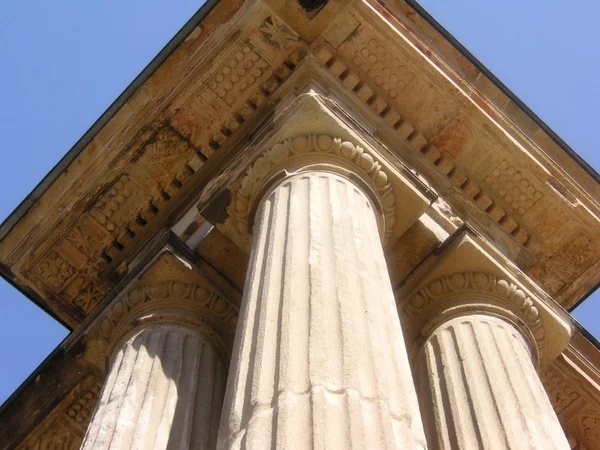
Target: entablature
[
  {"x": 366, "y": 86},
  {"x": 176, "y": 133}
]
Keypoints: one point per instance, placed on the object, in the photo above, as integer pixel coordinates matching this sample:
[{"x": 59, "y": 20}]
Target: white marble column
[
  {"x": 479, "y": 389},
  {"x": 164, "y": 391},
  {"x": 319, "y": 359}
]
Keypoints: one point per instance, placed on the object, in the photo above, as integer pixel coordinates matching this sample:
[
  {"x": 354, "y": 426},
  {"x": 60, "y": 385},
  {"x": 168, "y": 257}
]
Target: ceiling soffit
[{"x": 171, "y": 136}]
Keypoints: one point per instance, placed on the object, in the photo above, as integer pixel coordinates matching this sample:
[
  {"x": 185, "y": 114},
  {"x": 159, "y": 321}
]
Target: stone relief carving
[
  {"x": 497, "y": 290},
  {"x": 278, "y": 33},
  {"x": 371, "y": 54},
  {"x": 55, "y": 271},
  {"x": 363, "y": 161},
  {"x": 119, "y": 203},
  {"x": 156, "y": 165},
  {"x": 57, "y": 439},
  {"x": 87, "y": 239},
  {"x": 82, "y": 409},
  {"x": 238, "y": 74},
  {"x": 88, "y": 298},
  {"x": 72, "y": 267},
  {"x": 64, "y": 427},
  {"x": 385, "y": 69},
  {"x": 86, "y": 302},
  {"x": 590, "y": 427},
  {"x": 560, "y": 392},
  {"x": 515, "y": 188}
]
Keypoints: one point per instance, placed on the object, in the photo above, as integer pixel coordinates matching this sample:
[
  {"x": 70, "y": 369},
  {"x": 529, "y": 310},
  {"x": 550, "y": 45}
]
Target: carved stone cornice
[
  {"x": 470, "y": 278},
  {"x": 98, "y": 215},
  {"x": 168, "y": 302},
  {"x": 507, "y": 219},
  {"x": 291, "y": 154}
]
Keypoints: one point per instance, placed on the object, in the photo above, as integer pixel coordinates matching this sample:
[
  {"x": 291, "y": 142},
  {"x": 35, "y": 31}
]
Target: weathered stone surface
[
  {"x": 480, "y": 389},
  {"x": 164, "y": 390},
  {"x": 477, "y": 335},
  {"x": 532, "y": 197},
  {"x": 572, "y": 383},
  {"x": 319, "y": 359},
  {"x": 367, "y": 85},
  {"x": 470, "y": 274}
]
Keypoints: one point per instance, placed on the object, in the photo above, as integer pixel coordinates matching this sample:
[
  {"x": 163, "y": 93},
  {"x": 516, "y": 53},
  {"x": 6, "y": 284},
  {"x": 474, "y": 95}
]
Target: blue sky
[{"x": 64, "y": 63}]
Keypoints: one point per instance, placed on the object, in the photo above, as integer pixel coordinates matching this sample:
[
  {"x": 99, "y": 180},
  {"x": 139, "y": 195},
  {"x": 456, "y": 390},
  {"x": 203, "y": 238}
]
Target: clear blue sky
[{"x": 64, "y": 62}]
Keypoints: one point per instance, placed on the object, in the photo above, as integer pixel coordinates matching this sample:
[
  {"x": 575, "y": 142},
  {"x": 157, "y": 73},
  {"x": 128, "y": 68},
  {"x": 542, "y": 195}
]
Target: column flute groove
[
  {"x": 152, "y": 394},
  {"x": 318, "y": 315},
  {"x": 481, "y": 389}
]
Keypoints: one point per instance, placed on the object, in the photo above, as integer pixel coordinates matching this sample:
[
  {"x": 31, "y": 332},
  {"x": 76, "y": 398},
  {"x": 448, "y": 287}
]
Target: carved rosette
[
  {"x": 179, "y": 303},
  {"x": 278, "y": 33},
  {"x": 468, "y": 293},
  {"x": 292, "y": 154}
]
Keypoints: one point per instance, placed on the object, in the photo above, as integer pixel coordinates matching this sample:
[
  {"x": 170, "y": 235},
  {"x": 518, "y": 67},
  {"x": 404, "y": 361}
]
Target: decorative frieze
[
  {"x": 589, "y": 425},
  {"x": 278, "y": 33},
  {"x": 517, "y": 190},
  {"x": 120, "y": 204},
  {"x": 388, "y": 72},
  {"x": 88, "y": 238},
  {"x": 82, "y": 409},
  {"x": 571, "y": 383},
  {"x": 202, "y": 119},
  {"x": 367, "y": 95},
  {"x": 319, "y": 324},
  {"x": 240, "y": 73},
  {"x": 160, "y": 167},
  {"x": 54, "y": 271},
  {"x": 88, "y": 298},
  {"x": 559, "y": 390},
  {"x": 59, "y": 438},
  {"x": 369, "y": 55},
  {"x": 63, "y": 428}
]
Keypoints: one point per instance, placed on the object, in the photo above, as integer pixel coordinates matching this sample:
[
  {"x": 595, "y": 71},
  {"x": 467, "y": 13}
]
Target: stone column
[
  {"x": 480, "y": 389},
  {"x": 319, "y": 359},
  {"x": 164, "y": 390}
]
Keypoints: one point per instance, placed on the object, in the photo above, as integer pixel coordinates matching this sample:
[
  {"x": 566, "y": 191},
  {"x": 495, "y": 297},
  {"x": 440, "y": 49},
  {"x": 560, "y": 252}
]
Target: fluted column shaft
[
  {"x": 480, "y": 389},
  {"x": 164, "y": 390},
  {"x": 319, "y": 359}
]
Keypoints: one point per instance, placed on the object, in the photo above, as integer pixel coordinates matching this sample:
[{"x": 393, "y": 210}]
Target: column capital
[
  {"x": 471, "y": 278},
  {"x": 171, "y": 302},
  {"x": 312, "y": 133},
  {"x": 321, "y": 152}
]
